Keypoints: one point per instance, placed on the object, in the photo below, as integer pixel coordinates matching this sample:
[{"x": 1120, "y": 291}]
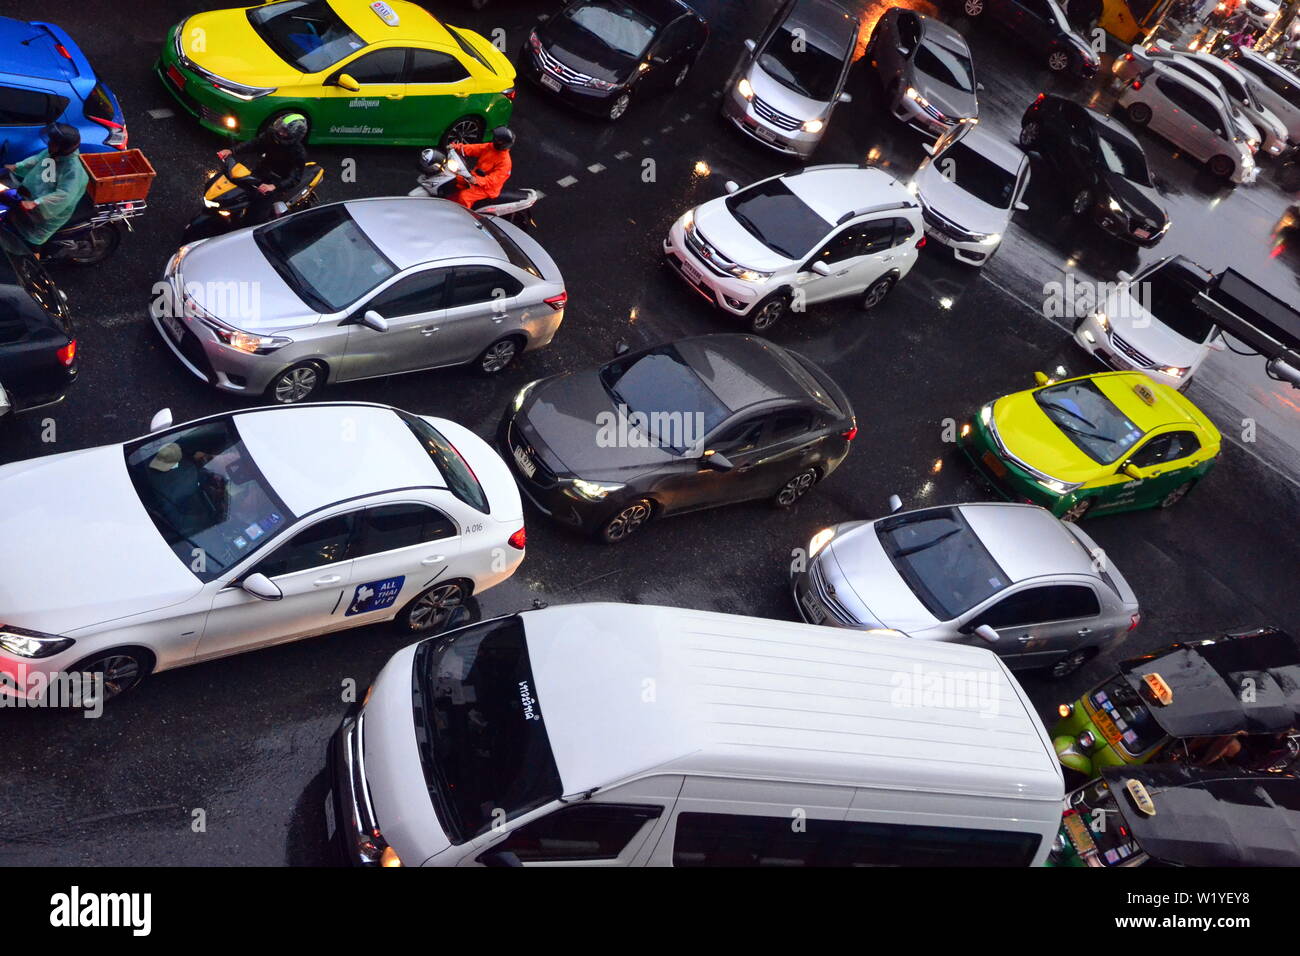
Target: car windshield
[
  {"x": 941, "y": 559},
  {"x": 306, "y": 34},
  {"x": 801, "y": 66},
  {"x": 455, "y": 470},
  {"x": 1137, "y": 732},
  {"x": 205, "y": 495},
  {"x": 1123, "y": 157},
  {"x": 1090, "y": 419},
  {"x": 618, "y": 25},
  {"x": 980, "y": 176},
  {"x": 1169, "y": 293},
  {"x": 946, "y": 66},
  {"x": 324, "y": 257},
  {"x": 667, "y": 395},
  {"x": 480, "y": 728},
  {"x": 778, "y": 218}
]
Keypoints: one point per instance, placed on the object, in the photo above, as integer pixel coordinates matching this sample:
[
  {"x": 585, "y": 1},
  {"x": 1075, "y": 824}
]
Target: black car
[
  {"x": 600, "y": 55},
  {"x": 1041, "y": 28},
  {"x": 692, "y": 424},
  {"x": 1098, "y": 167},
  {"x": 38, "y": 351}
]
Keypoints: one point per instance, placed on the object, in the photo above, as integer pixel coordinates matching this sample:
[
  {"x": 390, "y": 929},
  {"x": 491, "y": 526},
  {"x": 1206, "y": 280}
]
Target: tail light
[
  {"x": 1134, "y": 621},
  {"x": 1128, "y": 56},
  {"x": 510, "y": 93},
  {"x": 63, "y": 51},
  {"x": 68, "y": 354},
  {"x": 518, "y": 539},
  {"x": 1136, "y": 84},
  {"x": 851, "y": 434},
  {"x": 557, "y": 302},
  {"x": 1040, "y": 97},
  {"x": 116, "y": 132},
  {"x": 920, "y": 243}
]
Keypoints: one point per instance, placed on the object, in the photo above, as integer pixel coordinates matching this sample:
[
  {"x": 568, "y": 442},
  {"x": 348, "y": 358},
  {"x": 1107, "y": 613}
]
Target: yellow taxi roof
[
  {"x": 1168, "y": 405},
  {"x": 414, "y": 23}
]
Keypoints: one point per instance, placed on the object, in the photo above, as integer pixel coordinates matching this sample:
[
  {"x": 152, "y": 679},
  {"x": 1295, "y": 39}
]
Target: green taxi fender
[{"x": 1071, "y": 757}]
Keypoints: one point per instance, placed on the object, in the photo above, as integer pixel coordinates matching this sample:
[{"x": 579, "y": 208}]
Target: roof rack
[{"x": 868, "y": 210}]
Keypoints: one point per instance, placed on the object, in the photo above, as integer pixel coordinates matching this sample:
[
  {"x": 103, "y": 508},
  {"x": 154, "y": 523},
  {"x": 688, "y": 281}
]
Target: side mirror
[
  {"x": 373, "y": 320},
  {"x": 987, "y": 633},
  {"x": 751, "y": 45},
  {"x": 895, "y": 504},
  {"x": 499, "y": 858},
  {"x": 717, "y": 460},
  {"x": 902, "y": 50},
  {"x": 1131, "y": 470},
  {"x": 162, "y": 419},
  {"x": 1217, "y": 344},
  {"x": 346, "y": 82},
  {"x": 846, "y": 97},
  {"x": 979, "y": 87},
  {"x": 1022, "y": 206},
  {"x": 929, "y": 148},
  {"x": 1123, "y": 276},
  {"x": 1041, "y": 378},
  {"x": 262, "y": 587},
  {"x": 622, "y": 348},
  {"x": 731, "y": 186},
  {"x": 821, "y": 268}
]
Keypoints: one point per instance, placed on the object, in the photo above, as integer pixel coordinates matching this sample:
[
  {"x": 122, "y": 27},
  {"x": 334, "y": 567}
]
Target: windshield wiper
[
  {"x": 905, "y": 552},
  {"x": 1083, "y": 434},
  {"x": 1069, "y": 411}
]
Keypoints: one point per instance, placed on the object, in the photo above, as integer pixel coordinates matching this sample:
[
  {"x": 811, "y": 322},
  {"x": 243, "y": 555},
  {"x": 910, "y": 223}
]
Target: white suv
[{"x": 821, "y": 233}]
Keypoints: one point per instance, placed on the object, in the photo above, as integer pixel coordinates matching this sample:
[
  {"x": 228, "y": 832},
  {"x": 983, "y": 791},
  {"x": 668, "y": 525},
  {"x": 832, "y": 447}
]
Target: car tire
[
  {"x": 1222, "y": 166},
  {"x": 877, "y": 292},
  {"x": 499, "y": 356},
  {"x": 1177, "y": 495},
  {"x": 429, "y": 610},
  {"x": 618, "y": 109},
  {"x": 766, "y": 314},
  {"x": 972, "y": 8},
  {"x": 467, "y": 129},
  {"x": 1081, "y": 202},
  {"x": 297, "y": 383},
  {"x": 122, "y": 669},
  {"x": 1058, "y": 61},
  {"x": 1070, "y": 663},
  {"x": 1030, "y": 133},
  {"x": 1077, "y": 511},
  {"x": 266, "y": 123},
  {"x": 1139, "y": 114},
  {"x": 627, "y": 521},
  {"x": 794, "y": 489}
]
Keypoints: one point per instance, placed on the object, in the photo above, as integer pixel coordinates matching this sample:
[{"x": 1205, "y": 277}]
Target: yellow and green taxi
[
  {"x": 361, "y": 72},
  {"x": 1094, "y": 444}
]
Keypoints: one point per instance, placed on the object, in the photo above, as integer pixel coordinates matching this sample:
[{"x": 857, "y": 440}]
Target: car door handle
[
  {"x": 1025, "y": 639},
  {"x": 328, "y": 579},
  {"x": 434, "y": 559},
  {"x": 1084, "y": 631},
  {"x": 429, "y": 330}
]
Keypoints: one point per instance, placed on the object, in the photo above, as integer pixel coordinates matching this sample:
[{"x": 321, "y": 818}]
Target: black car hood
[
  {"x": 581, "y": 51},
  {"x": 1137, "y": 201},
  {"x": 570, "y": 420}
]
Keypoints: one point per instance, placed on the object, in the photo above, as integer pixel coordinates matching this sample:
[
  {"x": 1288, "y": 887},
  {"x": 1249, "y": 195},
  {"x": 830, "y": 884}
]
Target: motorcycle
[
  {"x": 439, "y": 172},
  {"x": 1288, "y": 170},
  {"x": 227, "y": 200},
  {"x": 91, "y": 234}
]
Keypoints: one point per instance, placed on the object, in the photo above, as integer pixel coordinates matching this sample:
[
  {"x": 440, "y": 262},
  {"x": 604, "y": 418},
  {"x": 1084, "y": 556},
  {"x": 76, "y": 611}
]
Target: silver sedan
[
  {"x": 1035, "y": 589},
  {"x": 356, "y": 290}
]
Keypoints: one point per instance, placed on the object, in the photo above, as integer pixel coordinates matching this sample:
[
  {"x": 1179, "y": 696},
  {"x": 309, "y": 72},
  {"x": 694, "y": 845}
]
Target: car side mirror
[
  {"x": 1123, "y": 276},
  {"x": 345, "y": 81},
  {"x": 161, "y": 419},
  {"x": 987, "y": 633},
  {"x": 751, "y": 45},
  {"x": 902, "y": 50},
  {"x": 500, "y": 858},
  {"x": 846, "y": 97},
  {"x": 622, "y": 348},
  {"x": 731, "y": 186},
  {"x": 1022, "y": 206},
  {"x": 929, "y": 148},
  {"x": 1041, "y": 378},
  {"x": 821, "y": 268},
  {"x": 373, "y": 320},
  {"x": 718, "y": 460},
  {"x": 895, "y": 504},
  {"x": 1131, "y": 470},
  {"x": 262, "y": 587},
  {"x": 979, "y": 87}
]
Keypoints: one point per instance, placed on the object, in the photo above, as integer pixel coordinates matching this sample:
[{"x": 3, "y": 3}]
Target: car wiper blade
[
  {"x": 1069, "y": 411},
  {"x": 904, "y": 552},
  {"x": 1083, "y": 434}
]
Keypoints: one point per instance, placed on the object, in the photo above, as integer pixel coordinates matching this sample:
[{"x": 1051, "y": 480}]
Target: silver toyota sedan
[
  {"x": 356, "y": 290},
  {"x": 1033, "y": 588}
]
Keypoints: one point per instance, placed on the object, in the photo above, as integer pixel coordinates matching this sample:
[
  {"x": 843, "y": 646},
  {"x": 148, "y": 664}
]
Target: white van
[{"x": 628, "y": 735}]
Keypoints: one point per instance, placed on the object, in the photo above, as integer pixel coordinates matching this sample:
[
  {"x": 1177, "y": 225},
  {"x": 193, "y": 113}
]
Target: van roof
[{"x": 632, "y": 690}]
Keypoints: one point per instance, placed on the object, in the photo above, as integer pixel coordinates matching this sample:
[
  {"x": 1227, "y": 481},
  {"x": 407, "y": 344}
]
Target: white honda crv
[{"x": 809, "y": 236}]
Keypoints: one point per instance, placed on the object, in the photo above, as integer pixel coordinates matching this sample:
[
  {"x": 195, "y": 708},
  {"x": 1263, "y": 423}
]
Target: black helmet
[
  {"x": 502, "y": 137},
  {"x": 431, "y": 161},
  {"x": 289, "y": 129},
  {"x": 63, "y": 139}
]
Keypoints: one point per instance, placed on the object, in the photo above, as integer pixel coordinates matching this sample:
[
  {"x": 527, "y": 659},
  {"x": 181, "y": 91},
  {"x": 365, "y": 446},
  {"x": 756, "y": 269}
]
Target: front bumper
[
  {"x": 1118, "y": 225},
  {"x": 585, "y": 99},
  {"x": 213, "y": 109},
  {"x": 543, "y": 488},
  {"x": 725, "y": 291},
  {"x": 745, "y": 117},
  {"x": 1006, "y": 479},
  {"x": 1100, "y": 344},
  {"x": 973, "y": 252},
  {"x": 907, "y": 110},
  {"x": 356, "y": 831}
]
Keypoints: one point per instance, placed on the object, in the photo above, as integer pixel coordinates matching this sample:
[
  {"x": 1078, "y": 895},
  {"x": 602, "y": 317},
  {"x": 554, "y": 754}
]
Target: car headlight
[
  {"x": 1114, "y": 206},
  {"x": 1102, "y": 319},
  {"x": 687, "y": 220},
  {"x": 522, "y": 395},
  {"x": 1059, "y": 487},
  {"x": 749, "y": 275},
  {"x": 601, "y": 84},
  {"x": 986, "y": 413},
  {"x": 237, "y": 338},
  {"x": 915, "y": 97},
  {"x": 813, "y": 125},
  {"x": 992, "y": 239},
  {"x": 744, "y": 89},
  {"x": 1065, "y": 710},
  {"x": 241, "y": 92},
  {"x": 389, "y": 857},
  {"x": 1087, "y": 740},
  {"x": 1173, "y": 370},
  {"x": 31, "y": 644},
  {"x": 593, "y": 490},
  {"x": 819, "y": 541}
]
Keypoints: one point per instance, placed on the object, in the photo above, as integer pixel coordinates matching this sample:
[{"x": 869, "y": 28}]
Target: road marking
[
  {"x": 160, "y": 114},
  {"x": 667, "y": 129},
  {"x": 566, "y": 182},
  {"x": 685, "y": 118},
  {"x": 595, "y": 168},
  {"x": 623, "y": 155}
]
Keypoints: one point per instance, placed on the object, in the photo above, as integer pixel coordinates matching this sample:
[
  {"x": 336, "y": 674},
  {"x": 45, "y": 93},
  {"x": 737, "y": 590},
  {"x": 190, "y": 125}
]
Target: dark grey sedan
[{"x": 678, "y": 427}]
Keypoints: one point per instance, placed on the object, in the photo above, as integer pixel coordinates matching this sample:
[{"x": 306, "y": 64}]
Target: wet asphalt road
[{"x": 243, "y": 739}]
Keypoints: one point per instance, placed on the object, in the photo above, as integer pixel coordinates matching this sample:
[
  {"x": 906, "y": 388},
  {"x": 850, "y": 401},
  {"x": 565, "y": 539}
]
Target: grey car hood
[
  {"x": 864, "y": 566},
  {"x": 232, "y": 281}
]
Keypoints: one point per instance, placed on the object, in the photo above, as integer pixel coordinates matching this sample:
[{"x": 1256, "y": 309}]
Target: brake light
[
  {"x": 116, "y": 131},
  {"x": 510, "y": 93},
  {"x": 556, "y": 302},
  {"x": 1040, "y": 97},
  {"x": 1128, "y": 56},
  {"x": 1134, "y": 621},
  {"x": 1136, "y": 84},
  {"x": 920, "y": 243},
  {"x": 851, "y": 434},
  {"x": 68, "y": 354},
  {"x": 63, "y": 51},
  {"x": 518, "y": 539}
]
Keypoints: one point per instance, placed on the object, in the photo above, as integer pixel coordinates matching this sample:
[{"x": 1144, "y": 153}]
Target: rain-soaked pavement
[{"x": 242, "y": 740}]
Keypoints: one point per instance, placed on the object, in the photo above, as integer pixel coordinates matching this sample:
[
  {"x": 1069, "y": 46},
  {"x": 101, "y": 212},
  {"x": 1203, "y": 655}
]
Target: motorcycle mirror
[
  {"x": 261, "y": 587},
  {"x": 372, "y": 319},
  {"x": 161, "y": 419},
  {"x": 731, "y": 186},
  {"x": 622, "y": 348},
  {"x": 279, "y": 209},
  {"x": 987, "y": 633}
]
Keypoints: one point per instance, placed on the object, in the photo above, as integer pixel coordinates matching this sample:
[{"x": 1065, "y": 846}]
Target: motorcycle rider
[
  {"x": 276, "y": 159},
  {"x": 51, "y": 183},
  {"x": 491, "y": 165}
]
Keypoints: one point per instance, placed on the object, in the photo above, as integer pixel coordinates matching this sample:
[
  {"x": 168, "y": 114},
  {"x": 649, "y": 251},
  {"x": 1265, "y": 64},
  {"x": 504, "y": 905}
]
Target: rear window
[
  {"x": 99, "y": 105},
  {"x": 468, "y": 47},
  {"x": 461, "y": 480},
  {"x": 518, "y": 258}
]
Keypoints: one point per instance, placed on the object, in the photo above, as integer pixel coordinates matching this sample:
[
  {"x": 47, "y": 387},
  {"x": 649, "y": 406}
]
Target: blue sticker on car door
[{"x": 375, "y": 595}]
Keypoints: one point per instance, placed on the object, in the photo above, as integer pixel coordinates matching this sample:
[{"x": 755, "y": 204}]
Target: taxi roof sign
[
  {"x": 386, "y": 13},
  {"x": 1159, "y": 688},
  {"x": 1144, "y": 391},
  {"x": 1141, "y": 798}
]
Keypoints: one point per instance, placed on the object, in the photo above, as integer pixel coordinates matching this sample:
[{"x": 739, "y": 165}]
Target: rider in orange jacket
[{"x": 490, "y": 163}]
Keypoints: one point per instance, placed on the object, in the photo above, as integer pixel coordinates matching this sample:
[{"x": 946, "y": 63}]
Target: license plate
[
  {"x": 995, "y": 466},
  {"x": 1106, "y": 726},
  {"x": 763, "y": 133},
  {"x": 176, "y": 76},
  {"x": 815, "y": 612},
  {"x": 692, "y": 274},
  {"x": 526, "y": 464},
  {"x": 173, "y": 327},
  {"x": 551, "y": 83},
  {"x": 1142, "y": 233}
]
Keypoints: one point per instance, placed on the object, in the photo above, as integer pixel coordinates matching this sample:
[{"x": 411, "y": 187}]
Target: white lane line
[
  {"x": 623, "y": 155},
  {"x": 667, "y": 129},
  {"x": 566, "y": 182},
  {"x": 595, "y": 168},
  {"x": 160, "y": 114},
  {"x": 685, "y": 118}
]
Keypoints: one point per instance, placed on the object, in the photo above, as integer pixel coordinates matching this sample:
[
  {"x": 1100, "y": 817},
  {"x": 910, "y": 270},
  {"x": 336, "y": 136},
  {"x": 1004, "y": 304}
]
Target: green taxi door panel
[
  {"x": 376, "y": 111},
  {"x": 439, "y": 88},
  {"x": 1165, "y": 462}
]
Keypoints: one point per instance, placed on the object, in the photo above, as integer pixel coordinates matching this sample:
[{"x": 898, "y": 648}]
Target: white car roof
[
  {"x": 317, "y": 455},
  {"x": 1027, "y": 541},
  {"x": 632, "y": 690},
  {"x": 996, "y": 148},
  {"x": 833, "y": 191},
  {"x": 411, "y": 230}
]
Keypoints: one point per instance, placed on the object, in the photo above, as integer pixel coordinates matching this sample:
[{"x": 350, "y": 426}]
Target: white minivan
[{"x": 626, "y": 735}]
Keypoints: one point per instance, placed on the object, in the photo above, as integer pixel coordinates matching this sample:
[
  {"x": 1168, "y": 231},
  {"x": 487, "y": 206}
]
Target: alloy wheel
[
  {"x": 1029, "y": 133},
  {"x": 119, "y": 673},
  {"x": 973, "y": 8},
  {"x": 768, "y": 314},
  {"x": 796, "y": 488},
  {"x": 432, "y": 608},
  {"x": 1077, "y": 510},
  {"x": 1058, "y": 60},
  {"x": 620, "y": 106},
  {"x": 467, "y": 129},
  {"x": 498, "y": 356},
  {"x": 1070, "y": 663},
  {"x": 627, "y": 522},
  {"x": 296, "y": 384},
  {"x": 876, "y": 294},
  {"x": 1081, "y": 202}
]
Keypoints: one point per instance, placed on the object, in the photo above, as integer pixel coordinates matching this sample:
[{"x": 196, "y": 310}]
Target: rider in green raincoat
[{"x": 54, "y": 180}]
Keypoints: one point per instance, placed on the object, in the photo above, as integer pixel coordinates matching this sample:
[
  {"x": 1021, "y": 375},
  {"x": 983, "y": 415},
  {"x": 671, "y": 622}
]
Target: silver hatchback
[
  {"x": 1037, "y": 590},
  {"x": 357, "y": 290},
  {"x": 785, "y": 88}
]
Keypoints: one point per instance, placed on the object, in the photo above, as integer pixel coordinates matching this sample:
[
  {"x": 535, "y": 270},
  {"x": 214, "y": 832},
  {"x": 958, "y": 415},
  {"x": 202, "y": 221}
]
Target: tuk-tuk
[
  {"x": 1177, "y": 815},
  {"x": 1235, "y": 699}
]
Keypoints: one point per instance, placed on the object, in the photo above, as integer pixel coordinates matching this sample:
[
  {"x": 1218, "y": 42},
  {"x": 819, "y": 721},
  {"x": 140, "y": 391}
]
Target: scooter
[
  {"x": 90, "y": 235},
  {"x": 439, "y": 172},
  {"x": 227, "y": 199}
]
